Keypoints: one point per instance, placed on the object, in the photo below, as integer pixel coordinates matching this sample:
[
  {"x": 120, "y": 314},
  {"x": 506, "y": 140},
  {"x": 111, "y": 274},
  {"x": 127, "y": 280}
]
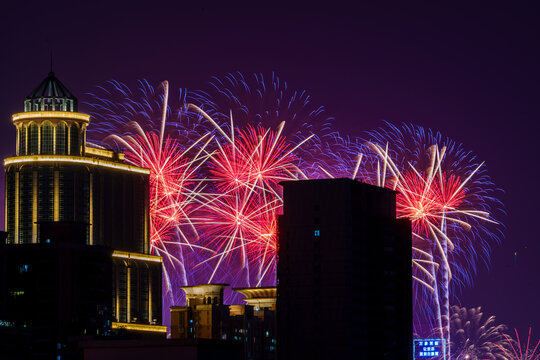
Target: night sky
[{"x": 471, "y": 73}]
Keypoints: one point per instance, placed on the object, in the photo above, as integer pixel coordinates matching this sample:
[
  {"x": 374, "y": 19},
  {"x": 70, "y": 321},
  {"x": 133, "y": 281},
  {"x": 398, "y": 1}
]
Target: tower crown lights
[
  {"x": 50, "y": 123},
  {"x": 50, "y": 95}
]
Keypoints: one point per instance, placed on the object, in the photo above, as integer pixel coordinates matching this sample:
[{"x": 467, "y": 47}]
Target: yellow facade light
[
  {"x": 100, "y": 152},
  {"x": 17, "y": 204},
  {"x": 269, "y": 292},
  {"x": 56, "y": 196},
  {"x": 136, "y": 256},
  {"x": 50, "y": 115},
  {"x": 139, "y": 327},
  {"x": 74, "y": 160}
]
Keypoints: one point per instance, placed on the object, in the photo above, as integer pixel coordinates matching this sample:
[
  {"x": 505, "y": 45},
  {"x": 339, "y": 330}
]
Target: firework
[
  {"x": 242, "y": 227},
  {"x": 265, "y": 132},
  {"x": 475, "y": 337},
  {"x": 442, "y": 189},
  {"x": 449, "y": 198},
  {"x": 337, "y": 157},
  {"x": 141, "y": 126},
  {"x": 266, "y": 101},
  {"x": 262, "y": 101}
]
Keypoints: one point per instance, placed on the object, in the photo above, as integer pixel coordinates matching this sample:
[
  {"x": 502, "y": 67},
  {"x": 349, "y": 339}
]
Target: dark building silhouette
[
  {"x": 144, "y": 349},
  {"x": 56, "y": 289},
  {"x": 344, "y": 273},
  {"x": 77, "y": 252}
]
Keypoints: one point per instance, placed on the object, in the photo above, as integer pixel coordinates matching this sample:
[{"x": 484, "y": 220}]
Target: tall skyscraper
[
  {"x": 68, "y": 199},
  {"x": 344, "y": 273}
]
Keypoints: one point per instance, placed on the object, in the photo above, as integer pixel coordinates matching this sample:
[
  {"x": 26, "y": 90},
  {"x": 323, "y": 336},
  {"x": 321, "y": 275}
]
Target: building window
[
  {"x": 47, "y": 138},
  {"x": 33, "y": 139},
  {"x": 74, "y": 140},
  {"x": 61, "y": 138},
  {"x": 317, "y": 233},
  {"x": 22, "y": 141}
]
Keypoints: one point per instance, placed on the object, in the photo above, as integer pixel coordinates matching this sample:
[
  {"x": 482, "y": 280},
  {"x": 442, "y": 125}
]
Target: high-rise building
[
  {"x": 344, "y": 273},
  {"x": 70, "y": 200}
]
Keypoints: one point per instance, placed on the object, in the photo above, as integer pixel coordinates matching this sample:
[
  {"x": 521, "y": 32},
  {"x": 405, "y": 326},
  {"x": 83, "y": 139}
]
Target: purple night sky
[{"x": 471, "y": 73}]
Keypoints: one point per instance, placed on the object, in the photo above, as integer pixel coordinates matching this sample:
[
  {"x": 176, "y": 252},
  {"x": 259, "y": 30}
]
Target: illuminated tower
[{"x": 56, "y": 179}]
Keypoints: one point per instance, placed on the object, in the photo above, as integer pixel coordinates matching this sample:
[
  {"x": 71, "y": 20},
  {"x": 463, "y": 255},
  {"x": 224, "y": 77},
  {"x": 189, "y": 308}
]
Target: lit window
[{"x": 317, "y": 233}]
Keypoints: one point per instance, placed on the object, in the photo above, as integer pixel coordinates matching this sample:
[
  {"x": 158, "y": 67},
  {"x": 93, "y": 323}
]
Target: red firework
[
  {"x": 256, "y": 156},
  {"x": 168, "y": 181},
  {"x": 243, "y": 217},
  {"x": 427, "y": 200}
]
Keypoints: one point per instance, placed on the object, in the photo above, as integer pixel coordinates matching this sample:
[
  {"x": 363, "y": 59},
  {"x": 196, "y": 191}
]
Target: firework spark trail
[{"x": 528, "y": 354}]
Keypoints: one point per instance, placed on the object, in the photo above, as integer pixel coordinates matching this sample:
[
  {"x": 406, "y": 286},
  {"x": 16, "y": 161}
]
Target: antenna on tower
[{"x": 51, "y": 62}]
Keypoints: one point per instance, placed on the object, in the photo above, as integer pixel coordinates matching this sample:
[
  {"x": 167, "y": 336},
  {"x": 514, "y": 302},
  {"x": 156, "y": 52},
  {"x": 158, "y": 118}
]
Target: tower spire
[{"x": 51, "y": 63}]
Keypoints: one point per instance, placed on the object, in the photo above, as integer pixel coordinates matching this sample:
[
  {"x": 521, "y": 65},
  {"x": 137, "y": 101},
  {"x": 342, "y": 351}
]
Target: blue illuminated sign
[{"x": 429, "y": 349}]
